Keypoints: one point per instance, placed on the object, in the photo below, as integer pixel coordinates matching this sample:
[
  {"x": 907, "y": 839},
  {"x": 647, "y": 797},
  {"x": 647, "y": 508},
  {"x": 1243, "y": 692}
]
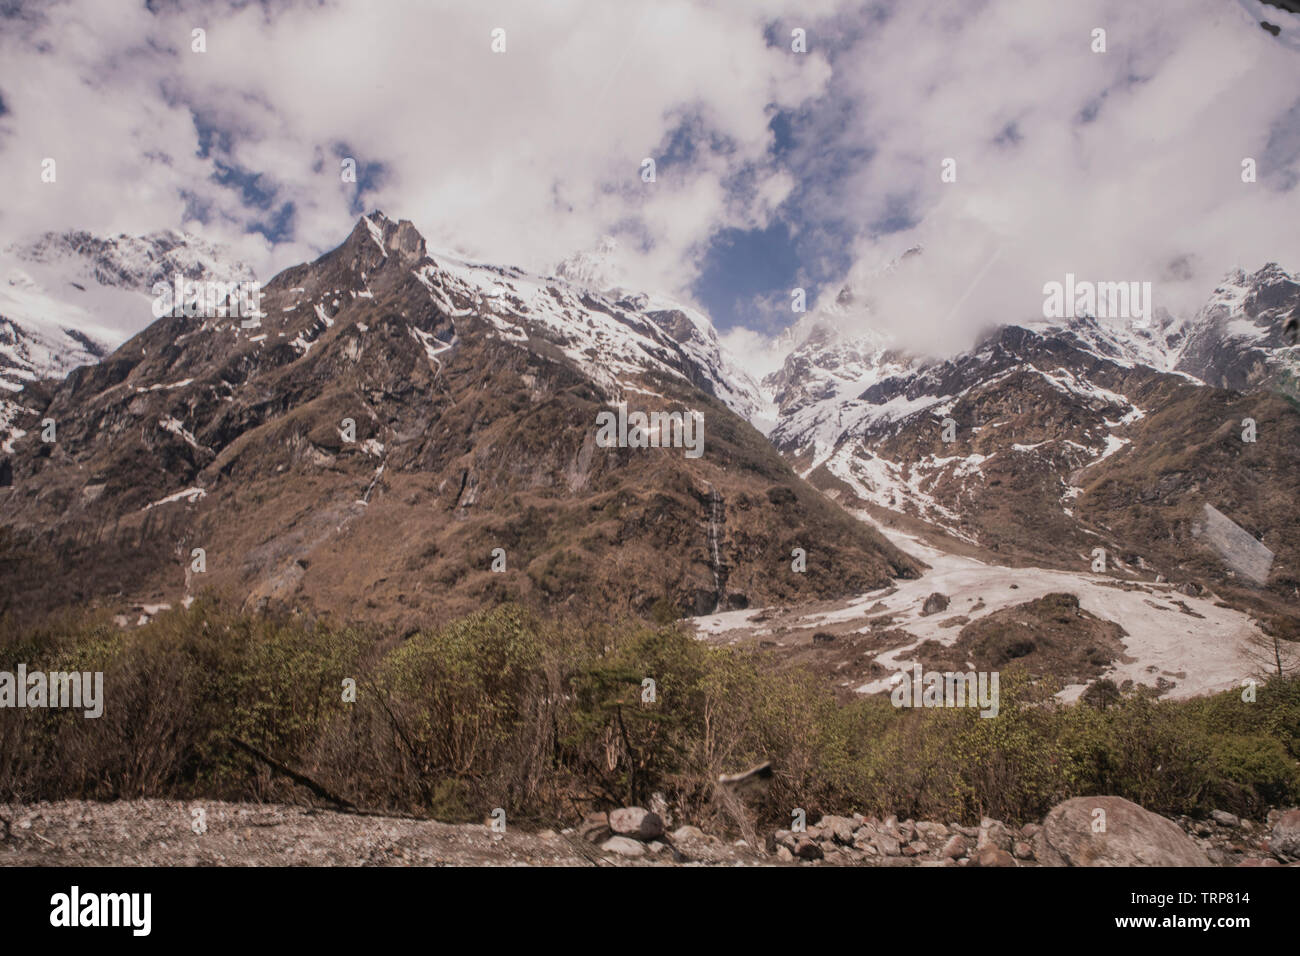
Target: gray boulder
[
  {"x": 1072, "y": 835},
  {"x": 839, "y": 829},
  {"x": 955, "y": 848},
  {"x": 931, "y": 832},
  {"x": 636, "y": 822},
  {"x": 935, "y": 603},
  {"x": 1284, "y": 841},
  {"x": 887, "y": 845},
  {"x": 993, "y": 833},
  {"x": 623, "y": 846}
]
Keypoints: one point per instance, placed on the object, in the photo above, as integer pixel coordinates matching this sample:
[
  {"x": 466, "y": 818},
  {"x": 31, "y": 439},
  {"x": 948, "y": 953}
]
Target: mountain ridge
[
  {"x": 395, "y": 416},
  {"x": 472, "y": 391}
]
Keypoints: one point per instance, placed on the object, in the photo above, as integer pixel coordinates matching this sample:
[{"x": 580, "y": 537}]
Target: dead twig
[
  {"x": 587, "y": 851},
  {"x": 343, "y": 805},
  {"x": 299, "y": 778}
]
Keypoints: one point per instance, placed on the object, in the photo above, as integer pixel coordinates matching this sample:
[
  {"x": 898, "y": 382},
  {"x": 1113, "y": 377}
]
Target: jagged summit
[
  {"x": 614, "y": 334},
  {"x": 398, "y": 237}
]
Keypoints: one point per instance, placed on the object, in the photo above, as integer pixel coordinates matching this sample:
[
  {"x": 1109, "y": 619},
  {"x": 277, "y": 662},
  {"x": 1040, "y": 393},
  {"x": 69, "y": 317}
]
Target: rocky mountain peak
[
  {"x": 1243, "y": 337},
  {"x": 1272, "y": 287},
  {"x": 388, "y": 418},
  {"x": 375, "y": 237},
  {"x": 590, "y": 268}
]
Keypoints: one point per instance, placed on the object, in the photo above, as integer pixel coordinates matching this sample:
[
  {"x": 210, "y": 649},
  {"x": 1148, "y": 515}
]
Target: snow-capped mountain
[
  {"x": 1245, "y": 337},
  {"x": 710, "y": 365},
  {"x": 67, "y": 299},
  {"x": 394, "y": 416},
  {"x": 1019, "y": 445},
  {"x": 1248, "y": 335}
]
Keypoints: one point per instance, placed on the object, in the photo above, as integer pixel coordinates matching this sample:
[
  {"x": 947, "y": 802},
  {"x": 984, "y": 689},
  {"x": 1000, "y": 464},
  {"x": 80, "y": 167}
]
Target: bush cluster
[{"x": 547, "y": 720}]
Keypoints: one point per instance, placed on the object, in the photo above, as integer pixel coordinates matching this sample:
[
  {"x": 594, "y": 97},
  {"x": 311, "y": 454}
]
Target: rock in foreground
[{"x": 1111, "y": 831}]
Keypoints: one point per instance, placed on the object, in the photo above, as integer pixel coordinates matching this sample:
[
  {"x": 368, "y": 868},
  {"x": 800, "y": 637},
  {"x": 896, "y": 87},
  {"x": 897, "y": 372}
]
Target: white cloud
[
  {"x": 756, "y": 353},
  {"x": 527, "y": 156},
  {"x": 519, "y": 157},
  {"x": 1149, "y": 189}
]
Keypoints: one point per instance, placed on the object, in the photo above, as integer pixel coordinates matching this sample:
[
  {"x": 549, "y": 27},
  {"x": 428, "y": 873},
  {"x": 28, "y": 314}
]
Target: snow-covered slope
[
  {"x": 67, "y": 299},
  {"x": 592, "y": 271},
  {"x": 1057, "y": 417},
  {"x": 39, "y": 350},
  {"x": 843, "y": 378},
  {"x": 613, "y": 336},
  {"x": 1184, "y": 645}
]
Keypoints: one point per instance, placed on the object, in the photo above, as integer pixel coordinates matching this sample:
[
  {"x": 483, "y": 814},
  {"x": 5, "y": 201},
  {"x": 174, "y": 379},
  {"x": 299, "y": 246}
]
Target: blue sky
[{"x": 775, "y": 169}]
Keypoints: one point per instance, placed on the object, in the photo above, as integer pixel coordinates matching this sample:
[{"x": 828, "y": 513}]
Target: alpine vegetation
[{"x": 626, "y": 429}]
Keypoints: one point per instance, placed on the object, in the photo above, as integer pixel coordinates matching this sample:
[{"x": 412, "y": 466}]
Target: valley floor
[
  {"x": 163, "y": 833},
  {"x": 160, "y": 833},
  {"x": 1189, "y": 645}
]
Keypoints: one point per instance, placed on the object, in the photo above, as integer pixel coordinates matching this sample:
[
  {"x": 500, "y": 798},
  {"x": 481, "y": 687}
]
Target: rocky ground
[{"x": 172, "y": 833}]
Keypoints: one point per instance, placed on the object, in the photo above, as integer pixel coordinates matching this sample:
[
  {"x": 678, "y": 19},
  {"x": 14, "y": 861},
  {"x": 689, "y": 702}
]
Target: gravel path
[{"x": 160, "y": 833}]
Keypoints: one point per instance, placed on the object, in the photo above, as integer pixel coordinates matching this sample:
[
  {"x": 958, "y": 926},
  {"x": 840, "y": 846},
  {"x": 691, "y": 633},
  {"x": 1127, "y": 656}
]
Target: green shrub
[
  {"x": 1251, "y": 773},
  {"x": 501, "y": 709}
]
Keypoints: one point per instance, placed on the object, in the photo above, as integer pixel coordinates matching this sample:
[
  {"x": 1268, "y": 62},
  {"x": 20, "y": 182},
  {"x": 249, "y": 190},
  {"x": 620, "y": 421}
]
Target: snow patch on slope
[{"x": 611, "y": 337}]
